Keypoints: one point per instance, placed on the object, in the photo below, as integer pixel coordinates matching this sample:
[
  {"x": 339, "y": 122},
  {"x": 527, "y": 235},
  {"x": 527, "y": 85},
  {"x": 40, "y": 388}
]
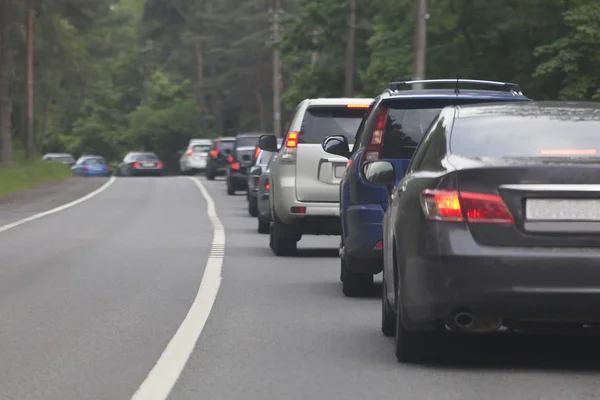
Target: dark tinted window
[
  {"x": 248, "y": 141},
  {"x": 244, "y": 155},
  {"x": 226, "y": 145},
  {"x": 145, "y": 157},
  {"x": 95, "y": 161},
  {"x": 320, "y": 122},
  {"x": 405, "y": 129},
  {"x": 524, "y": 137}
]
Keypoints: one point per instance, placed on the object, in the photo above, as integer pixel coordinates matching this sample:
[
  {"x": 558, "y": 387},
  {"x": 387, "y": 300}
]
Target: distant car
[
  {"x": 240, "y": 160},
  {"x": 216, "y": 164},
  {"x": 141, "y": 164},
  {"x": 195, "y": 157},
  {"x": 262, "y": 196},
  {"x": 91, "y": 166},
  {"x": 304, "y": 179},
  {"x": 256, "y": 170},
  {"x": 494, "y": 226},
  {"x": 393, "y": 128},
  {"x": 64, "y": 158}
]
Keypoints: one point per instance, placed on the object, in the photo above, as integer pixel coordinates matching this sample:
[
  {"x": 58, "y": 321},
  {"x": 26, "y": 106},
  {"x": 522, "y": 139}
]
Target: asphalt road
[{"x": 91, "y": 296}]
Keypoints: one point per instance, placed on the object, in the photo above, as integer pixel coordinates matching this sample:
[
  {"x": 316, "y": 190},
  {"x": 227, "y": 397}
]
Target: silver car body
[
  {"x": 259, "y": 167},
  {"x": 195, "y": 156},
  {"x": 306, "y": 177}
]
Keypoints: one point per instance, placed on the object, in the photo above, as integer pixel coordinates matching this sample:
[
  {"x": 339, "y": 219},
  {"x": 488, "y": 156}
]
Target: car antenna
[{"x": 456, "y": 89}]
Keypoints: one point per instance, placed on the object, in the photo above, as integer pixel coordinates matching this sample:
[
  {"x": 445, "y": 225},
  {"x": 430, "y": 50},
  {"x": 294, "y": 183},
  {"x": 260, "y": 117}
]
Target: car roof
[
  {"x": 58, "y": 155},
  {"x": 450, "y": 93},
  {"x": 91, "y": 156},
  {"x": 565, "y": 110},
  {"x": 252, "y": 134},
  {"x": 200, "y": 141},
  {"x": 225, "y": 138},
  {"x": 338, "y": 101}
]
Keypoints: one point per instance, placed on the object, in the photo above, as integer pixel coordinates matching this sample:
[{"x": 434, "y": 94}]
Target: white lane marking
[
  {"x": 165, "y": 373},
  {"x": 60, "y": 208}
]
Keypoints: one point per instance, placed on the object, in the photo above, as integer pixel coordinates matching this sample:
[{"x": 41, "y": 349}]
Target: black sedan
[
  {"x": 495, "y": 226},
  {"x": 141, "y": 164}
]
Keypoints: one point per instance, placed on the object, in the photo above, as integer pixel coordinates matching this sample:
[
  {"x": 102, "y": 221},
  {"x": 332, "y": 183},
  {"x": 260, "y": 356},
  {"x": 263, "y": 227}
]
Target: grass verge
[{"x": 24, "y": 175}]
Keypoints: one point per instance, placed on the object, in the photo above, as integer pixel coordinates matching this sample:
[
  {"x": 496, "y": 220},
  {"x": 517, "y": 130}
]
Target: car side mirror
[
  {"x": 381, "y": 173},
  {"x": 268, "y": 143},
  {"x": 337, "y": 145}
]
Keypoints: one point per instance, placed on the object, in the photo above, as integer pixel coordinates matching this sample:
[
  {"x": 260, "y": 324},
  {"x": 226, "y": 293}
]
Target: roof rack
[{"x": 513, "y": 87}]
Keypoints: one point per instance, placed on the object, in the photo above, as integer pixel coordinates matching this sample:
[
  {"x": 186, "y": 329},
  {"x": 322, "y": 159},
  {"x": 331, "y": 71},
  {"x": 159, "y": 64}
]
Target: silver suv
[{"x": 304, "y": 179}]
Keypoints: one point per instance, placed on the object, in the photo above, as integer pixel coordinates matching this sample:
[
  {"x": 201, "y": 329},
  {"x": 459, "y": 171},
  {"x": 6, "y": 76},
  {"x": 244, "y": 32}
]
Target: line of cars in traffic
[{"x": 481, "y": 207}]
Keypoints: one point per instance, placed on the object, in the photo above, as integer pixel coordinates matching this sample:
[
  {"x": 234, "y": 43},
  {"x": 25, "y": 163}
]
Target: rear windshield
[
  {"x": 95, "y": 161},
  {"x": 408, "y": 121},
  {"x": 226, "y": 145},
  {"x": 248, "y": 141},
  {"x": 524, "y": 137},
  {"x": 201, "y": 148},
  {"x": 146, "y": 157},
  {"x": 320, "y": 122},
  {"x": 245, "y": 155}
]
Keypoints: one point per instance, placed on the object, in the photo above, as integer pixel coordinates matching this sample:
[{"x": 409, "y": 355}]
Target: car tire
[
  {"x": 354, "y": 284},
  {"x": 263, "y": 226},
  {"x": 413, "y": 347},
  {"x": 230, "y": 189},
  {"x": 282, "y": 247},
  {"x": 210, "y": 175},
  {"x": 388, "y": 315},
  {"x": 252, "y": 207}
]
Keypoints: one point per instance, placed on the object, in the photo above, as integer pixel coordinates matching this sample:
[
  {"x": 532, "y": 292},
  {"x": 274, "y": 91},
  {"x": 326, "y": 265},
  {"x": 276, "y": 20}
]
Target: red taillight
[
  {"x": 214, "y": 153},
  {"x": 189, "y": 152},
  {"x": 267, "y": 185},
  {"x": 298, "y": 210},
  {"x": 256, "y": 152},
  {"x": 348, "y": 164},
  {"x": 255, "y": 179},
  {"x": 292, "y": 140},
  {"x": 450, "y": 205},
  {"x": 159, "y": 164},
  {"x": 137, "y": 165},
  {"x": 373, "y": 150},
  {"x": 379, "y": 245},
  {"x": 230, "y": 159},
  {"x": 107, "y": 167},
  {"x": 85, "y": 167},
  {"x": 235, "y": 166}
]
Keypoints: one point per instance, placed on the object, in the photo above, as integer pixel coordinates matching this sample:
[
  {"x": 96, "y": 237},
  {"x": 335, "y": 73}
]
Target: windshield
[
  {"x": 247, "y": 141},
  {"x": 320, "y": 122},
  {"x": 226, "y": 145},
  {"x": 201, "y": 148}
]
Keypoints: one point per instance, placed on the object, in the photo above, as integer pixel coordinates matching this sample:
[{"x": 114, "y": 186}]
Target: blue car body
[
  {"x": 363, "y": 205},
  {"x": 91, "y": 166}
]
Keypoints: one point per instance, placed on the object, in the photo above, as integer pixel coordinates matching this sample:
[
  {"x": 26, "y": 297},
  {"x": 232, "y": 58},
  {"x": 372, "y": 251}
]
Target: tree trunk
[
  {"x": 44, "y": 128},
  {"x": 29, "y": 133},
  {"x": 199, "y": 77},
  {"x": 6, "y": 155},
  {"x": 350, "y": 50}
]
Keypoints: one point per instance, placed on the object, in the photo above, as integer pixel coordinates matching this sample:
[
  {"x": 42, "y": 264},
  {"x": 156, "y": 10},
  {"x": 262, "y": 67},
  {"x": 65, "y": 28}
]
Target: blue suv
[{"x": 391, "y": 130}]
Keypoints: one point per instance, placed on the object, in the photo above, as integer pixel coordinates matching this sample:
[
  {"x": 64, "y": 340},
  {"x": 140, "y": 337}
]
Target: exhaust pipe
[{"x": 467, "y": 322}]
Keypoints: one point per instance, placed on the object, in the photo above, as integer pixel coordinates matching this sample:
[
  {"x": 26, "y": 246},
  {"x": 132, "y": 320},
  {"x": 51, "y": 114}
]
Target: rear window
[
  {"x": 201, "y": 148},
  {"x": 320, "y": 122},
  {"x": 146, "y": 157},
  {"x": 249, "y": 141},
  {"x": 95, "y": 161},
  {"x": 226, "y": 145},
  {"x": 409, "y": 120},
  {"x": 524, "y": 137}
]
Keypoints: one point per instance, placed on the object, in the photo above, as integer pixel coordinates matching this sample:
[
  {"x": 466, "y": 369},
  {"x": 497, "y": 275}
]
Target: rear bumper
[
  {"x": 237, "y": 180},
  {"x": 286, "y": 199},
  {"x": 97, "y": 173},
  {"x": 196, "y": 165},
  {"x": 364, "y": 231},
  {"x": 516, "y": 284},
  {"x": 147, "y": 171}
]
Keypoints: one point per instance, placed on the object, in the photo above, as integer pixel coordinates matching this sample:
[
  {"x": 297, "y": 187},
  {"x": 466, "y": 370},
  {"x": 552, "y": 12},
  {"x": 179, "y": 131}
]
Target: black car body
[
  {"x": 258, "y": 168},
  {"x": 141, "y": 164},
  {"x": 217, "y": 162},
  {"x": 495, "y": 224},
  {"x": 240, "y": 161}
]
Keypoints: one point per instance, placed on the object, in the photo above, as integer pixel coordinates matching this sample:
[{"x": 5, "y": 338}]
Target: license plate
[
  {"x": 339, "y": 170},
  {"x": 148, "y": 164},
  {"x": 562, "y": 209}
]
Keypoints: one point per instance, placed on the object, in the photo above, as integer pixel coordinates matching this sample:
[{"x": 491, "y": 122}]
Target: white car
[{"x": 195, "y": 157}]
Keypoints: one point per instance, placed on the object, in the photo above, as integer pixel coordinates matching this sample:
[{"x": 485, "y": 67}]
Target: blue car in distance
[
  {"x": 391, "y": 130},
  {"x": 91, "y": 166}
]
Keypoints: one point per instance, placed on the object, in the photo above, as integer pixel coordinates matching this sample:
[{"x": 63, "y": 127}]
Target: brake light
[
  {"x": 189, "y": 152},
  {"x": 107, "y": 167},
  {"x": 137, "y": 165},
  {"x": 379, "y": 245},
  {"x": 450, "y": 205},
  {"x": 357, "y": 106},
  {"x": 256, "y": 152},
  {"x": 235, "y": 166},
  {"x": 373, "y": 150},
  {"x": 267, "y": 185},
  {"x": 214, "y": 153},
  {"x": 292, "y": 140},
  {"x": 298, "y": 210},
  {"x": 255, "y": 179},
  {"x": 230, "y": 159},
  {"x": 348, "y": 164},
  {"x": 85, "y": 167},
  {"x": 159, "y": 164}
]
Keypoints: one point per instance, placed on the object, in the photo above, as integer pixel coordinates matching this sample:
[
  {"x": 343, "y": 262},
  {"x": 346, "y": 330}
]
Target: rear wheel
[
  {"x": 282, "y": 246},
  {"x": 354, "y": 284},
  {"x": 263, "y": 226},
  {"x": 210, "y": 175},
  {"x": 230, "y": 189},
  {"x": 252, "y": 206},
  {"x": 388, "y": 315}
]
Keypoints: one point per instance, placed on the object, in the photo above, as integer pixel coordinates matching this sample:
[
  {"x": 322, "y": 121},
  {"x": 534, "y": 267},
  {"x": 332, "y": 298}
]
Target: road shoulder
[{"x": 26, "y": 203}]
